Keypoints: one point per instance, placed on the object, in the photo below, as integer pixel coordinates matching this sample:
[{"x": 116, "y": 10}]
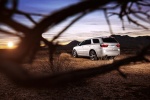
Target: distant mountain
[
  {"x": 69, "y": 46},
  {"x": 132, "y": 42},
  {"x": 73, "y": 43}
]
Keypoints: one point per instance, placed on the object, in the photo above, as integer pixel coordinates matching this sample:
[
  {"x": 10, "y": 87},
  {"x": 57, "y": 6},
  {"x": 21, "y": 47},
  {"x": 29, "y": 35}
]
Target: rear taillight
[
  {"x": 104, "y": 45},
  {"x": 118, "y": 45}
]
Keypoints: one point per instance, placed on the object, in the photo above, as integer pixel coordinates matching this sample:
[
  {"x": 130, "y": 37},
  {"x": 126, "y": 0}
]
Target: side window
[
  {"x": 95, "y": 40},
  {"x": 82, "y": 43},
  {"x": 87, "y": 42}
]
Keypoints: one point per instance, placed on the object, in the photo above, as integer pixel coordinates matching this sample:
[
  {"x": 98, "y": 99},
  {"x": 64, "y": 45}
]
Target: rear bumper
[
  {"x": 102, "y": 53},
  {"x": 111, "y": 53}
]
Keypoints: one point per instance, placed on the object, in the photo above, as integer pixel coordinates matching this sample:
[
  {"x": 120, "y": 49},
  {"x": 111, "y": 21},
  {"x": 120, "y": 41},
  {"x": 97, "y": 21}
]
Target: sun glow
[{"x": 10, "y": 44}]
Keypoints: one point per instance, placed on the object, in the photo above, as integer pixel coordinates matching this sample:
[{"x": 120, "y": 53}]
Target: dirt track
[{"x": 107, "y": 86}]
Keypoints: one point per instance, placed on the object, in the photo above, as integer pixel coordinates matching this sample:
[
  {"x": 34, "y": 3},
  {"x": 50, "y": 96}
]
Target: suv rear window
[{"x": 109, "y": 40}]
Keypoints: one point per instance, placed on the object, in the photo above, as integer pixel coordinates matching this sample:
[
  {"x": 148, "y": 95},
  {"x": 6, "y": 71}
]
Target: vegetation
[
  {"x": 12, "y": 64},
  {"x": 106, "y": 86}
]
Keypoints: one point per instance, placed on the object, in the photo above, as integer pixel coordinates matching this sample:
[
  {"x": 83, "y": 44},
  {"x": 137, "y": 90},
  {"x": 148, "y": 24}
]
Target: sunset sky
[{"x": 91, "y": 25}]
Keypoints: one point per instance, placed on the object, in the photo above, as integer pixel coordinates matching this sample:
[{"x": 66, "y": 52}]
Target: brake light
[
  {"x": 118, "y": 45},
  {"x": 104, "y": 45}
]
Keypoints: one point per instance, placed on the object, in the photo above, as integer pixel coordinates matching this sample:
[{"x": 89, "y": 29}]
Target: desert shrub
[{"x": 62, "y": 63}]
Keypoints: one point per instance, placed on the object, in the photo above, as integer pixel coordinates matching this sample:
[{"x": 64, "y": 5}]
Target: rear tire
[
  {"x": 93, "y": 55},
  {"x": 105, "y": 58},
  {"x": 74, "y": 54}
]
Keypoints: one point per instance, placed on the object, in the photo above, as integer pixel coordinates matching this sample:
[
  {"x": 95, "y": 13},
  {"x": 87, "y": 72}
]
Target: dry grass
[{"x": 107, "y": 86}]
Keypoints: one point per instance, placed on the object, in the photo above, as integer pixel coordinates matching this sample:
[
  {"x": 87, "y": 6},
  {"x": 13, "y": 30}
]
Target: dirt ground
[{"x": 107, "y": 86}]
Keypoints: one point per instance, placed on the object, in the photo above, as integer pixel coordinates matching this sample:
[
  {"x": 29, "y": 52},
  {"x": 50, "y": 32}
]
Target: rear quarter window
[
  {"x": 109, "y": 40},
  {"x": 87, "y": 42},
  {"x": 95, "y": 40}
]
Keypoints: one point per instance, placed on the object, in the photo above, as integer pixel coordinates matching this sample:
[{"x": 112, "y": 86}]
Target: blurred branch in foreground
[{"x": 30, "y": 40}]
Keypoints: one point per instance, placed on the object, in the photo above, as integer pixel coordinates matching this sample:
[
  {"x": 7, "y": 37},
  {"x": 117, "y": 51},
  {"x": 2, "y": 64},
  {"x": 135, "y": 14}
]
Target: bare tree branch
[
  {"x": 143, "y": 4},
  {"x": 139, "y": 17},
  {"x": 72, "y": 22},
  {"x": 135, "y": 22},
  {"x": 15, "y": 25},
  {"x": 28, "y": 15},
  {"x": 9, "y": 33},
  {"x": 29, "y": 45},
  {"x": 108, "y": 22}
]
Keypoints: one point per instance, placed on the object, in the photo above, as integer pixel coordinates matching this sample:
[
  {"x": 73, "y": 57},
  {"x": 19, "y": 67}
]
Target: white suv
[{"x": 99, "y": 47}]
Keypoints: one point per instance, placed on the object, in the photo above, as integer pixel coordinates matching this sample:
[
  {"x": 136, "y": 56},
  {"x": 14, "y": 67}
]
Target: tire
[
  {"x": 112, "y": 58},
  {"x": 74, "y": 54},
  {"x": 93, "y": 55},
  {"x": 104, "y": 58},
  {"x": 107, "y": 58}
]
